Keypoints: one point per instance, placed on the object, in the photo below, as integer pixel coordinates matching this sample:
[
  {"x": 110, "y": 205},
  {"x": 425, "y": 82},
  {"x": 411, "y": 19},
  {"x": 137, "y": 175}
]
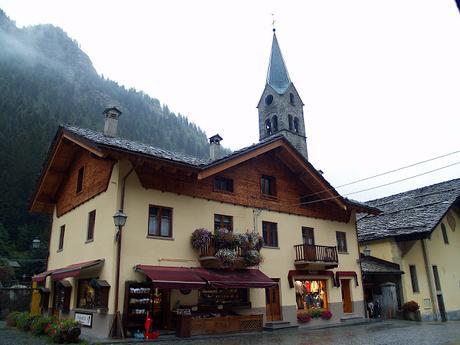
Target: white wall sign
[{"x": 84, "y": 319}]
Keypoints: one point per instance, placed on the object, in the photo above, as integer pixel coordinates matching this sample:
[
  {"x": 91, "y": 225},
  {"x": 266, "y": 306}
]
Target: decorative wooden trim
[
  {"x": 215, "y": 169},
  {"x": 85, "y": 146}
]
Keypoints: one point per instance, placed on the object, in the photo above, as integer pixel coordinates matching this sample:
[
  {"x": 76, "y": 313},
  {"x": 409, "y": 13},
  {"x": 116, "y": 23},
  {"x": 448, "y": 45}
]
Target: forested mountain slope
[{"x": 47, "y": 80}]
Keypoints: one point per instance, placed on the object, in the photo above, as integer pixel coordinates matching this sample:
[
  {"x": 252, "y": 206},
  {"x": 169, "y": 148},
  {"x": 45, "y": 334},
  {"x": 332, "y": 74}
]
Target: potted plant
[
  {"x": 252, "y": 258},
  {"x": 303, "y": 317},
  {"x": 225, "y": 239},
  {"x": 254, "y": 241},
  {"x": 411, "y": 311},
  {"x": 201, "y": 238},
  {"x": 227, "y": 257},
  {"x": 326, "y": 315}
]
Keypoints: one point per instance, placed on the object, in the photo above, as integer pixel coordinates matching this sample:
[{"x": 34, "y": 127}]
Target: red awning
[
  {"x": 41, "y": 276},
  {"x": 172, "y": 277},
  {"x": 244, "y": 278},
  {"x": 340, "y": 274},
  {"x": 74, "y": 269}
]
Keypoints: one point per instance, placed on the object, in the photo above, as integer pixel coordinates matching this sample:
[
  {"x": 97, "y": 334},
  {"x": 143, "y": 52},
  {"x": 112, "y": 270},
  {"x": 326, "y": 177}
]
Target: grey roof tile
[
  {"x": 370, "y": 264},
  {"x": 415, "y": 212}
]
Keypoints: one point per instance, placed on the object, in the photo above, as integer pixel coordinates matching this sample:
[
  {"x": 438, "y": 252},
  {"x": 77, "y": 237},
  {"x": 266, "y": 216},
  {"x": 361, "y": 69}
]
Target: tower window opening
[
  {"x": 269, "y": 99},
  {"x": 291, "y": 99},
  {"x": 296, "y": 125},
  {"x": 290, "y": 122},
  {"x": 268, "y": 127},
  {"x": 275, "y": 123}
]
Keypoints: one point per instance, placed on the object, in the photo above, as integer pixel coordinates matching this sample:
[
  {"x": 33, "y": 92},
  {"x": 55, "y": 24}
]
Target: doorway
[
  {"x": 346, "y": 296},
  {"x": 442, "y": 308},
  {"x": 272, "y": 301}
]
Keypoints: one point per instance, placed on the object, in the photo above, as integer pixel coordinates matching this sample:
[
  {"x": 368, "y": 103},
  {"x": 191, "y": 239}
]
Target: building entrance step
[
  {"x": 351, "y": 318},
  {"x": 275, "y": 325}
]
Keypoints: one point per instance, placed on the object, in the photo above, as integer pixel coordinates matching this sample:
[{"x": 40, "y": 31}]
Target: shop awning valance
[
  {"x": 41, "y": 276},
  {"x": 293, "y": 273},
  {"x": 244, "y": 278},
  {"x": 74, "y": 270},
  {"x": 340, "y": 274},
  {"x": 172, "y": 277}
]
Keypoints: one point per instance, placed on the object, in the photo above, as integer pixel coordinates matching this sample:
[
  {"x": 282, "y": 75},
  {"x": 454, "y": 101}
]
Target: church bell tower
[{"x": 280, "y": 107}]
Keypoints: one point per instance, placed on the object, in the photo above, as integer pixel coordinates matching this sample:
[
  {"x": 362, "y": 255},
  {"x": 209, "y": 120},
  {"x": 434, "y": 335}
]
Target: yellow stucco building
[
  {"x": 419, "y": 231},
  {"x": 257, "y": 238}
]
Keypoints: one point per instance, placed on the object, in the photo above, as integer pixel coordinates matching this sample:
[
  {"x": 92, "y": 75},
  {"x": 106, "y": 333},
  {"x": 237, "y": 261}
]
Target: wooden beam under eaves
[{"x": 219, "y": 167}]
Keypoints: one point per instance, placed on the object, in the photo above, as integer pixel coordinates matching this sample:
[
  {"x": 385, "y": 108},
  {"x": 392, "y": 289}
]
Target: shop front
[{"x": 192, "y": 301}]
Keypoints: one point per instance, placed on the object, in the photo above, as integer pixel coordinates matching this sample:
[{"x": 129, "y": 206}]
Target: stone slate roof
[
  {"x": 277, "y": 75},
  {"x": 373, "y": 265},
  {"x": 411, "y": 214},
  {"x": 100, "y": 139}
]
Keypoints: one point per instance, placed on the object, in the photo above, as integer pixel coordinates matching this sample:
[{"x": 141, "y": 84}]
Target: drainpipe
[
  {"x": 117, "y": 319},
  {"x": 429, "y": 278},
  {"x": 360, "y": 268}
]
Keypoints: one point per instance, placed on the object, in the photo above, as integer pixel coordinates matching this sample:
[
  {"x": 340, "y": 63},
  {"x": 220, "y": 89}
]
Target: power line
[
  {"x": 372, "y": 188},
  {"x": 398, "y": 169},
  {"x": 383, "y": 173}
]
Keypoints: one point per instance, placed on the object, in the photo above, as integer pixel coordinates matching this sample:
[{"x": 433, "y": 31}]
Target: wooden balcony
[
  {"x": 208, "y": 259},
  {"x": 315, "y": 257}
]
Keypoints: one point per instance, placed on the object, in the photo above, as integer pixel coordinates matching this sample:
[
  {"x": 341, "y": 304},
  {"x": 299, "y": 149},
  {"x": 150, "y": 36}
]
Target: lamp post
[
  {"x": 36, "y": 243},
  {"x": 119, "y": 219}
]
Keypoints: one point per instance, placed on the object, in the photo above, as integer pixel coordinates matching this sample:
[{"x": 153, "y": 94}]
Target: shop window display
[{"x": 311, "y": 294}]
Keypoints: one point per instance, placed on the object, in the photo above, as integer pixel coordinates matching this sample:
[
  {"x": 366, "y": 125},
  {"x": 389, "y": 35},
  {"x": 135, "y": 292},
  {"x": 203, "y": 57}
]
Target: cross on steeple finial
[{"x": 273, "y": 22}]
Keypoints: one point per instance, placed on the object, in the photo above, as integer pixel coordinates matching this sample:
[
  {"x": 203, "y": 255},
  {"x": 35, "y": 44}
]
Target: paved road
[{"x": 380, "y": 333}]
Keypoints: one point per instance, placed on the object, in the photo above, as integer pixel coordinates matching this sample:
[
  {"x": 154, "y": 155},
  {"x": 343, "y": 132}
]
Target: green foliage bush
[
  {"x": 12, "y": 318},
  {"x": 60, "y": 331},
  {"x": 39, "y": 325}
]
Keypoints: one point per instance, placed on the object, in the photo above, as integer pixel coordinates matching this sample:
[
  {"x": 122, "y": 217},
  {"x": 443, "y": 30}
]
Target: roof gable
[{"x": 414, "y": 213}]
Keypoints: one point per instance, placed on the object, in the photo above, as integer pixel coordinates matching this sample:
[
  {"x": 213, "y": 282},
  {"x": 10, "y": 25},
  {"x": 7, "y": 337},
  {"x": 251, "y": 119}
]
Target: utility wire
[
  {"x": 382, "y": 174},
  {"x": 372, "y": 188}
]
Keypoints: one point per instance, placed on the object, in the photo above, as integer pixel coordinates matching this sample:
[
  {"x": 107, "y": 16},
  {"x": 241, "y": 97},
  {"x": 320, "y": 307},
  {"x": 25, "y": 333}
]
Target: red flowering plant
[
  {"x": 303, "y": 317},
  {"x": 326, "y": 315}
]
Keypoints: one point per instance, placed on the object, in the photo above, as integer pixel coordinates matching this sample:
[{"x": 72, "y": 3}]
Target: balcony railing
[
  {"x": 311, "y": 253},
  {"x": 213, "y": 246}
]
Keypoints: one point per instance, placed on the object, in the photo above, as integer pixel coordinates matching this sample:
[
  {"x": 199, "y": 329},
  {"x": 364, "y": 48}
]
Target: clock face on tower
[{"x": 269, "y": 99}]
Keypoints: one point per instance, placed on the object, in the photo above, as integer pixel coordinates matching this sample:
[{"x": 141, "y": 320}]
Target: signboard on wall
[{"x": 84, "y": 319}]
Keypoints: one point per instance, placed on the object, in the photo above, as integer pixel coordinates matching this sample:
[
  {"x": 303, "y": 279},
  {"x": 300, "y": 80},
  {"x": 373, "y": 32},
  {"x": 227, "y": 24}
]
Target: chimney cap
[
  {"x": 110, "y": 109},
  {"x": 216, "y": 138}
]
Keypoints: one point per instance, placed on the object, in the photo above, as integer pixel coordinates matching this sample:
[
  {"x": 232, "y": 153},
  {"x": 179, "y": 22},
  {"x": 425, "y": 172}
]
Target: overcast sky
[{"x": 380, "y": 79}]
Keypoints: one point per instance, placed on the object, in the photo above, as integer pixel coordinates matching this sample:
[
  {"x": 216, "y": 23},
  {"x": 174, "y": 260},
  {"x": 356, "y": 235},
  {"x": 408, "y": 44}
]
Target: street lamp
[
  {"x": 36, "y": 243},
  {"x": 119, "y": 218}
]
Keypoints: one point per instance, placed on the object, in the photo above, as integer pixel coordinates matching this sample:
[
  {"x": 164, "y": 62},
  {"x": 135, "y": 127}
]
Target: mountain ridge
[{"x": 47, "y": 80}]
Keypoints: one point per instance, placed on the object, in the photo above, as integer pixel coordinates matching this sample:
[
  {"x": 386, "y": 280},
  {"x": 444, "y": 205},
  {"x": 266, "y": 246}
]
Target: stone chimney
[
  {"x": 214, "y": 147},
  {"x": 111, "y": 121}
]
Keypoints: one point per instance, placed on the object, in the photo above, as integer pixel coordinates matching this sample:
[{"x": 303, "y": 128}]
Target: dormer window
[
  {"x": 81, "y": 173},
  {"x": 275, "y": 123},
  {"x": 268, "y": 185},
  {"x": 223, "y": 184},
  {"x": 268, "y": 127}
]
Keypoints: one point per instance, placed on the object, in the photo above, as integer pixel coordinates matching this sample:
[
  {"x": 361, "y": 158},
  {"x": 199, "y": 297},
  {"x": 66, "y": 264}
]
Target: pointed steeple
[{"x": 277, "y": 75}]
